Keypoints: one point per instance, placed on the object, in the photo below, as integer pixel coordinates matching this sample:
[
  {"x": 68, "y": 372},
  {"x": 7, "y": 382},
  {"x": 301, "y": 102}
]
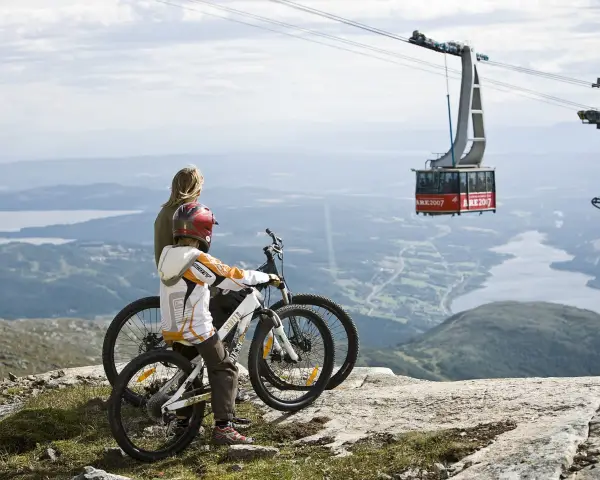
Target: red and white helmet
[{"x": 194, "y": 220}]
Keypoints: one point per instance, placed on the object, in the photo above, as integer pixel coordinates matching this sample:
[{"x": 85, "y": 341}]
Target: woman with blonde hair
[{"x": 185, "y": 188}]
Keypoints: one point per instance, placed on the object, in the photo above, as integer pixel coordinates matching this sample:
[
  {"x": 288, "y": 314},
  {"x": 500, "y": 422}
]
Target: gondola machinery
[
  {"x": 456, "y": 182},
  {"x": 591, "y": 117}
]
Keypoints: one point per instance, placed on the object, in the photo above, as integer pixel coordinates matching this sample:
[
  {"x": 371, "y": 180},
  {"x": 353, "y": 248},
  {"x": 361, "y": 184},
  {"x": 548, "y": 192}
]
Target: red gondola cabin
[{"x": 451, "y": 191}]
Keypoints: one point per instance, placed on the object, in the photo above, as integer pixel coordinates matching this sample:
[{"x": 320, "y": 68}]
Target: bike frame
[
  {"x": 239, "y": 319},
  {"x": 270, "y": 266}
]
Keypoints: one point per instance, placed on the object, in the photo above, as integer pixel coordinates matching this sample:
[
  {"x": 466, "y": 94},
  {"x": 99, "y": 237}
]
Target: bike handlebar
[{"x": 276, "y": 240}]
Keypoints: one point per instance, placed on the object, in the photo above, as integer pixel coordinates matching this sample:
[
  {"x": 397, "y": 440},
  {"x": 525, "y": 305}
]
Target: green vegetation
[
  {"x": 72, "y": 421},
  {"x": 36, "y": 346},
  {"x": 499, "y": 340}
]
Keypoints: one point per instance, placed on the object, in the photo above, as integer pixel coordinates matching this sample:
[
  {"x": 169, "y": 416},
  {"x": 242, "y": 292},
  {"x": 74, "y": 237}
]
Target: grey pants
[{"x": 222, "y": 374}]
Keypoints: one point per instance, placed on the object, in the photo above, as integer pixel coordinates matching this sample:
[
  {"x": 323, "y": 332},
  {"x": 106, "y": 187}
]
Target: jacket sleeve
[
  {"x": 209, "y": 270},
  {"x": 163, "y": 231}
]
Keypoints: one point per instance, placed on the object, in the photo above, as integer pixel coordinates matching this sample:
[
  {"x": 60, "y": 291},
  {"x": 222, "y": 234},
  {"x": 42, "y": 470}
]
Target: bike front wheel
[
  {"x": 343, "y": 330},
  {"x": 274, "y": 376}
]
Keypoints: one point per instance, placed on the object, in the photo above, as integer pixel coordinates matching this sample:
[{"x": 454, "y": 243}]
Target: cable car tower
[
  {"x": 456, "y": 182},
  {"x": 591, "y": 117}
]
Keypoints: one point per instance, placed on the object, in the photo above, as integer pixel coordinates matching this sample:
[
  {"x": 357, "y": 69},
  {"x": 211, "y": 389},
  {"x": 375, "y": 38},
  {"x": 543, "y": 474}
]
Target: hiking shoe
[
  {"x": 241, "y": 397},
  {"x": 229, "y": 436}
]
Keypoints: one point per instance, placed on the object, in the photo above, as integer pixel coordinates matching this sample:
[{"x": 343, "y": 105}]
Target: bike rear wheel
[
  {"x": 135, "y": 329},
  {"x": 154, "y": 424},
  {"x": 266, "y": 367},
  {"x": 343, "y": 330}
]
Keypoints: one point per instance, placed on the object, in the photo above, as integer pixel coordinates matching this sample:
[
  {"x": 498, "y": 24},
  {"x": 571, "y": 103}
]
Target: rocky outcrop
[
  {"x": 586, "y": 464},
  {"x": 15, "y": 390},
  {"x": 250, "y": 452},
  {"x": 554, "y": 430},
  {"x": 552, "y": 417}
]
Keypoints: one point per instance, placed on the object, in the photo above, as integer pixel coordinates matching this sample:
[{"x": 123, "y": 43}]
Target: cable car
[
  {"x": 456, "y": 182},
  {"x": 452, "y": 191}
]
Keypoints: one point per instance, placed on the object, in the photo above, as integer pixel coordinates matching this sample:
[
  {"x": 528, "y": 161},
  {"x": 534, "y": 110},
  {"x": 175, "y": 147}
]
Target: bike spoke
[
  {"x": 146, "y": 426},
  {"x": 288, "y": 381},
  {"x": 141, "y": 332}
]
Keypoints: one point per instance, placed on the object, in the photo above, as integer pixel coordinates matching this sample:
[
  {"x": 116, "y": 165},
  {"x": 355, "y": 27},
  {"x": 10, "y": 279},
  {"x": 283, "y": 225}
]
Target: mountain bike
[
  {"x": 173, "y": 404},
  {"x": 141, "y": 334}
]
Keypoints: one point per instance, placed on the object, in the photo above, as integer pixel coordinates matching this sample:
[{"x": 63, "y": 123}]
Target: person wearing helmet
[{"x": 186, "y": 270}]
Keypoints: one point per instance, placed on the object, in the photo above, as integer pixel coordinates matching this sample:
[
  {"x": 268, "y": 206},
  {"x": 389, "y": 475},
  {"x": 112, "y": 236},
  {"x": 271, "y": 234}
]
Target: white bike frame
[{"x": 242, "y": 315}]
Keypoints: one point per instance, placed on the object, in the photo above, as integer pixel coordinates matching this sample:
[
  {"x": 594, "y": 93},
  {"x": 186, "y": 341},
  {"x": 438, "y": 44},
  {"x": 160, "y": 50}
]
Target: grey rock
[
  {"x": 588, "y": 473},
  {"x": 113, "y": 452},
  {"x": 552, "y": 416},
  {"x": 250, "y": 452},
  {"x": 92, "y": 473},
  {"x": 410, "y": 474},
  {"x": 12, "y": 376},
  {"x": 57, "y": 374},
  {"x": 384, "y": 476},
  {"x": 440, "y": 470},
  {"x": 50, "y": 454},
  {"x": 9, "y": 409},
  {"x": 236, "y": 468}
]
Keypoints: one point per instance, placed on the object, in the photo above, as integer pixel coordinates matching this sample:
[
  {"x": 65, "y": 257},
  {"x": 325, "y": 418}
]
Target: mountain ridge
[{"x": 500, "y": 340}]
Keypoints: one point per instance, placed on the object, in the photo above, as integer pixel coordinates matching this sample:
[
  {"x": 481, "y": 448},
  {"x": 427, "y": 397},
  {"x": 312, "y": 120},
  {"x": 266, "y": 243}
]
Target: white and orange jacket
[{"x": 185, "y": 274}]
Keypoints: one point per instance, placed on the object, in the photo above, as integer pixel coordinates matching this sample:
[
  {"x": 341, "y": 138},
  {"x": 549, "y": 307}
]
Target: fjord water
[{"x": 528, "y": 276}]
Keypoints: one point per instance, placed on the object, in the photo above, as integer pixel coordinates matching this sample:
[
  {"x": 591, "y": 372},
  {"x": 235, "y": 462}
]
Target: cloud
[{"x": 74, "y": 68}]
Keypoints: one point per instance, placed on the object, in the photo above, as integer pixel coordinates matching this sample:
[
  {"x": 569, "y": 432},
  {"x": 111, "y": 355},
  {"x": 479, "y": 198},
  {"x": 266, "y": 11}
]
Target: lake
[
  {"x": 528, "y": 277},
  {"x": 15, "y": 221},
  {"x": 36, "y": 240}
]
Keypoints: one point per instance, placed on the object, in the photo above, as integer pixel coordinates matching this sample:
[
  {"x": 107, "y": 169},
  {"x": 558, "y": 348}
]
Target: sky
[{"x": 125, "y": 77}]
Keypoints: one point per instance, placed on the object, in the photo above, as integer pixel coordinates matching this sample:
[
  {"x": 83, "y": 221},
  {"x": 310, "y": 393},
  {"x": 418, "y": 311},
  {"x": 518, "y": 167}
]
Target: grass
[{"x": 73, "y": 422}]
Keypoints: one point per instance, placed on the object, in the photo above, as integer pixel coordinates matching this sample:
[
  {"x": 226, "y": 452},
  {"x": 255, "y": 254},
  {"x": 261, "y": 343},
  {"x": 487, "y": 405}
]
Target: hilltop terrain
[
  {"x": 499, "y": 340},
  {"x": 375, "y": 426}
]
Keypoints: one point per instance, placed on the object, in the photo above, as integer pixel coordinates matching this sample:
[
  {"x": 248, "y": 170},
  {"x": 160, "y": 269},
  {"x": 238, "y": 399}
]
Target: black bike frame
[{"x": 270, "y": 266}]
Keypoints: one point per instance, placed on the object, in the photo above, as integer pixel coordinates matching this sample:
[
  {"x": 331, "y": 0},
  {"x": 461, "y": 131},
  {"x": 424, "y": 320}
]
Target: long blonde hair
[{"x": 186, "y": 187}]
